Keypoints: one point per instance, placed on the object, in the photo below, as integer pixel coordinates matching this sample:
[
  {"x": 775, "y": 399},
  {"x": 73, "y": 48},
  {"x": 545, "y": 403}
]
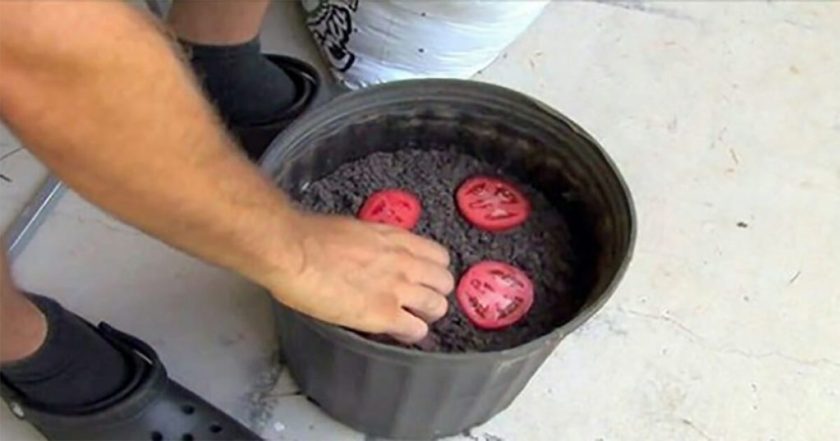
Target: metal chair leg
[
  {"x": 32, "y": 216},
  {"x": 156, "y": 7}
]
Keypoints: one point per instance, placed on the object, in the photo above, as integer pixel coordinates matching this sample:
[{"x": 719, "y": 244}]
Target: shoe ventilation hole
[
  {"x": 188, "y": 409},
  {"x": 157, "y": 436},
  {"x": 215, "y": 428},
  {"x": 187, "y": 437}
]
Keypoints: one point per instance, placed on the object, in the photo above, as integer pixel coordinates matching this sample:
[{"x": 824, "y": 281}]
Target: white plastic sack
[{"x": 373, "y": 41}]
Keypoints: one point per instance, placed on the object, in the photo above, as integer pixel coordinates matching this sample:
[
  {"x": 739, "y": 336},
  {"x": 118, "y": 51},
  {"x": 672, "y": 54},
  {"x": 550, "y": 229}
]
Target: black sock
[
  {"x": 74, "y": 365},
  {"x": 245, "y": 87}
]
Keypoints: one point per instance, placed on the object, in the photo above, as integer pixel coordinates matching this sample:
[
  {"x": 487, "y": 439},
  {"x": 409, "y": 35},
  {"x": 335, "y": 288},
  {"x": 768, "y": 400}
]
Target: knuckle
[
  {"x": 405, "y": 260},
  {"x": 450, "y": 287},
  {"x": 400, "y": 283},
  {"x": 439, "y": 307},
  {"x": 422, "y": 329},
  {"x": 381, "y": 316},
  {"x": 442, "y": 282},
  {"x": 440, "y": 250},
  {"x": 415, "y": 330},
  {"x": 448, "y": 281}
]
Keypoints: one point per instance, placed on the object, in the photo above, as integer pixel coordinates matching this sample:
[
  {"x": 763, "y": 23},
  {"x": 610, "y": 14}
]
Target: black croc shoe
[
  {"x": 152, "y": 407},
  {"x": 256, "y": 138}
]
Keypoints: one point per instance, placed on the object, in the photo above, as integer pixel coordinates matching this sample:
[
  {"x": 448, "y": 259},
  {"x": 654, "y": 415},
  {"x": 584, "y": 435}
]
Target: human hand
[{"x": 369, "y": 277}]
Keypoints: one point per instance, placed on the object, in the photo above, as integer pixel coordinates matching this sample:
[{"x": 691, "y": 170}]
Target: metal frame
[
  {"x": 20, "y": 232},
  {"x": 156, "y": 7}
]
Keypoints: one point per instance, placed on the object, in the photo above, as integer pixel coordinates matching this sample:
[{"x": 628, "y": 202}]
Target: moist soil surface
[{"x": 542, "y": 246}]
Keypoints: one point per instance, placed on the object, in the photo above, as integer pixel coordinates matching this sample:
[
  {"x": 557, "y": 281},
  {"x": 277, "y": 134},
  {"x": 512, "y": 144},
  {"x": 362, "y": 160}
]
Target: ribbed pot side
[{"x": 392, "y": 392}]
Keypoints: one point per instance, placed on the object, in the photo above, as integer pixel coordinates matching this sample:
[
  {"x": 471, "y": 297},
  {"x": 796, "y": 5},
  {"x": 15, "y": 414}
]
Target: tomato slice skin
[
  {"x": 494, "y": 295},
  {"x": 492, "y": 204},
  {"x": 395, "y": 207}
]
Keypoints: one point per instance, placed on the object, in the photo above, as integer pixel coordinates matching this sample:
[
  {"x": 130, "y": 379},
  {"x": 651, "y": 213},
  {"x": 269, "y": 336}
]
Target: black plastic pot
[{"x": 393, "y": 392}]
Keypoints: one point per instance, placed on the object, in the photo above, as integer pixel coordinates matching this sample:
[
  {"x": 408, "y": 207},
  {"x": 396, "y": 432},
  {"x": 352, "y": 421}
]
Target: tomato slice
[
  {"x": 492, "y": 204},
  {"x": 494, "y": 295},
  {"x": 393, "y": 207}
]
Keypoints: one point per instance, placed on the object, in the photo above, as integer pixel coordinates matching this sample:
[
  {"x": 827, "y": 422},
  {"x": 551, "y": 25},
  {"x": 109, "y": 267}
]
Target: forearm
[{"x": 97, "y": 93}]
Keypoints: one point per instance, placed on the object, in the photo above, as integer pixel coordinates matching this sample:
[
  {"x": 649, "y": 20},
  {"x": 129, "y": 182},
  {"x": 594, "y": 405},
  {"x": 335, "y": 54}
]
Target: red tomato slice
[
  {"x": 494, "y": 295},
  {"x": 393, "y": 207},
  {"x": 492, "y": 204}
]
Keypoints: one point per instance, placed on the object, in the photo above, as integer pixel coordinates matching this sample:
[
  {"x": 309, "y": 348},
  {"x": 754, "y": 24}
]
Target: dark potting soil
[{"x": 542, "y": 246}]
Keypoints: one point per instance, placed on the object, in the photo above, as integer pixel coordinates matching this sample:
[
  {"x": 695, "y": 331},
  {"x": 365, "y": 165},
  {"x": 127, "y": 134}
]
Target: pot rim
[{"x": 345, "y": 101}]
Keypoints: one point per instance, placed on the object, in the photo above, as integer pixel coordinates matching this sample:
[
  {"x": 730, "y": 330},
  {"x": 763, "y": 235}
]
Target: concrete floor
[{"x": 725, "y": 120}]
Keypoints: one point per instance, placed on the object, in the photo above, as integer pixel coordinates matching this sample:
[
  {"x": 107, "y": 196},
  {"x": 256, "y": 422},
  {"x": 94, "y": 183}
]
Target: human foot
[
  {"x": 246, "y": 88},
  {"x": 126, "y": 394}
]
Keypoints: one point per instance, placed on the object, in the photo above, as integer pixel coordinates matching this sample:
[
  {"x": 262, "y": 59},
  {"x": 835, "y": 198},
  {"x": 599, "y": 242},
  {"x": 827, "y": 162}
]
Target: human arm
[{"x": 96, "y": 92}]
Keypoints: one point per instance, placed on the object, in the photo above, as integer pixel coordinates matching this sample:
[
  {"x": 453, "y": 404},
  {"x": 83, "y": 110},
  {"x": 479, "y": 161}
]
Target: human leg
[
  {"x": 23, "y": 326},
  {"x": 222, "y": 41},
  {"x": 217, "y": 22}
]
